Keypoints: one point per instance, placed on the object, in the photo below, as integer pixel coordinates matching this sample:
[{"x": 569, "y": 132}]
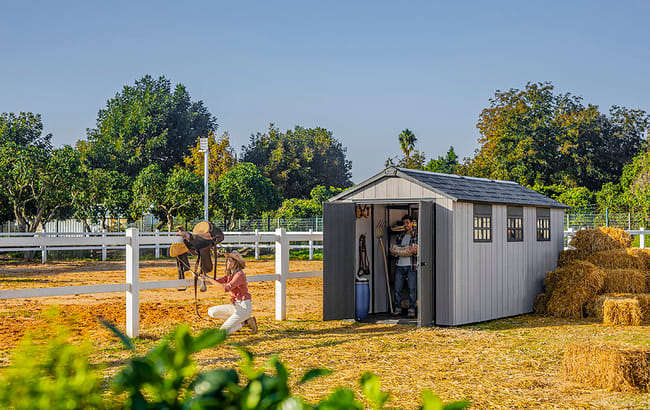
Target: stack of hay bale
[{"x": 600, "y": 277}]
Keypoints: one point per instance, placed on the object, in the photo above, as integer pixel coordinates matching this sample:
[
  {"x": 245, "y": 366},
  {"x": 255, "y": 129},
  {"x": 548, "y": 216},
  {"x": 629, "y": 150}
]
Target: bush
[{"x": 166, "y": 378}]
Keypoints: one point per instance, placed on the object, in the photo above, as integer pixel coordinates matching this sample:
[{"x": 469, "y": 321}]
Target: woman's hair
[{"x": 237, "y": 266}]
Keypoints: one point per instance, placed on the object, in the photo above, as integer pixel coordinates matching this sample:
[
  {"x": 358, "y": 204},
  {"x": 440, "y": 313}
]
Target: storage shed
[{"x": 484, "y": 245}]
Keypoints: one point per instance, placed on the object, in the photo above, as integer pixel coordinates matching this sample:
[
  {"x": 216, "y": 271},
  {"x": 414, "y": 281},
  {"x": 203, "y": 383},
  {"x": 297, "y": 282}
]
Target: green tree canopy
[
  {"x": 39, "y": 184},
  {"x": 25, "y": 128},
  {"x": 104, "y": 193},
  {"x": 148, "y": 123},
  {"x": 444, "y": 165},
  {"x": 307, "y": 208},
  {"x": 534, "y": 136},
  {"x": 407, "y": 141},
  {"x": 243, "y": 192},
  {"x": 299, "y": 159},
  {"x": 168, "y": 195}
]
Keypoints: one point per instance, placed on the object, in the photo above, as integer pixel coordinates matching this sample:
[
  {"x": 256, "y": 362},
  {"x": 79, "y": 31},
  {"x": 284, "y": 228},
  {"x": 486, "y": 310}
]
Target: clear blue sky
[{"x": 364, "y": 70}]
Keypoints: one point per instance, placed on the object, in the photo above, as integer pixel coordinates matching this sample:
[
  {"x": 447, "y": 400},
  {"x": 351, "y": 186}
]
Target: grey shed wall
[{"x": 499, "y": 278}]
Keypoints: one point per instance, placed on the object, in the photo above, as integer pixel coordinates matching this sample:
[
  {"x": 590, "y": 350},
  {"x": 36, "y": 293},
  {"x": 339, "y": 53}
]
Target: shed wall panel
[
  {"x": 444, "y": 272},
  {"x": 500, "y": 278},
  {"x": 393, "y": 188}
]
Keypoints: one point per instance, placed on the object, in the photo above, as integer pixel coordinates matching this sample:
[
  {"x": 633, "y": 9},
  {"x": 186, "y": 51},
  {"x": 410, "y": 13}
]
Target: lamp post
[{"x": 203, "y": 147}]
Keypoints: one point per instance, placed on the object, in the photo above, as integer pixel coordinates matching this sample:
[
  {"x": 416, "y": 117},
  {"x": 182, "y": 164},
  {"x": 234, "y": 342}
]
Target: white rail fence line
[
  {"x": 258, "y": 243},
  {"x": 134, "y": 241},
  {"x": 641, "y": 232}
]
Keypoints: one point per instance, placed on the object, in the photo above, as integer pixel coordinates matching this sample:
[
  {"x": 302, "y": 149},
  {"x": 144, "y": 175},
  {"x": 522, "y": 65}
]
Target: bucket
[{"x": 362, "y": 299}]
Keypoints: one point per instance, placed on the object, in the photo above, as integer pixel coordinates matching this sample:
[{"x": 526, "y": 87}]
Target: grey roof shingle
[{"x": 471, "y": 189}]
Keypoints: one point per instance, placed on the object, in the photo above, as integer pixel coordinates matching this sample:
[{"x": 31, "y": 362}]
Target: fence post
[
  {"x": 257, "y": 244},
  {"x": 43, "y": 248},
  {"x": 133, "y": 280},
  {"x": 157, "y": 244},
  {"x": 282, "y": 269},
  {"x": 104, "y": 245},
  {"x": 642, "y": 238},
  {"x": 311, "y": 245}
]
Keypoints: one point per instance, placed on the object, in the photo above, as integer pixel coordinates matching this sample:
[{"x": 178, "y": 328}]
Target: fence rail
[
  {"x": 38, "y": 241},
  {"x": 133, "y": 241}
]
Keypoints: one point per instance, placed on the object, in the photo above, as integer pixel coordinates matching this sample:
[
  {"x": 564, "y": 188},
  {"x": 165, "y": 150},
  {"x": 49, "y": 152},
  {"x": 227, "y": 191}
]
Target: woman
[{"x": 238, "y": 313}]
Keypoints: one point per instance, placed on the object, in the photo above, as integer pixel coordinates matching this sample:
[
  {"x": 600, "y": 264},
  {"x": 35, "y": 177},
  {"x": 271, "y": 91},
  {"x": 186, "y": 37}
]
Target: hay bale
[
  {"x": 541, "y": 301},
  {"x": 616, "y": 259},
  {"x": 571, "y": 287},
  {"x": 624, "y": 281},
  {"x": 569, "y": 255},
  {"x": 642, "y": 254},
  {"x": 594, "y": 307},
  {"x": 624, "y": 312},
  {"x": 600, "y": 239},
  {"x": 607, "y": 365}
]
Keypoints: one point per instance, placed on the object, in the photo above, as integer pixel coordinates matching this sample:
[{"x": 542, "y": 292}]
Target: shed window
[
  {"x": 543, "y": 224},
  {"x": 515, "y": 228},
  {"x": 482, "y": 223}
]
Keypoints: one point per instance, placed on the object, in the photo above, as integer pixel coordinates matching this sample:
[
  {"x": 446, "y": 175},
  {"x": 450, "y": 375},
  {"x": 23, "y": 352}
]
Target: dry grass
[
  {"x": 623, "y": 312},
  {"x": 600, "y": 239},
  {"x": 616, "y": 259},
  {"x": 595, "y": 306},
  {"x": 606, "y": 365},
  {"x": 571, "y": 286},
  {"x": 569, "y": 255},
  {"x": 512, "y": 363},
  {"x": 541, "y": 302},
  {"x": 624, "y": 281}
]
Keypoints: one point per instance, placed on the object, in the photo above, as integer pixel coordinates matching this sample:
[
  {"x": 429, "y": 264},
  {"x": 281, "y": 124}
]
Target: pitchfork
[{"x": 379, "y": 233}]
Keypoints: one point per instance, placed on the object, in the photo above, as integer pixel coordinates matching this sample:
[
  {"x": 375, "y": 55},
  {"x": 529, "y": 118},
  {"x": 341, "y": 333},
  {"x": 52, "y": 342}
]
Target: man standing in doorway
[{"x": 406, "y": 249}]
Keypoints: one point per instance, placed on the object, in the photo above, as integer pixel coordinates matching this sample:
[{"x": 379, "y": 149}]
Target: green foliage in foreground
[{"x": 60, "y": 376}]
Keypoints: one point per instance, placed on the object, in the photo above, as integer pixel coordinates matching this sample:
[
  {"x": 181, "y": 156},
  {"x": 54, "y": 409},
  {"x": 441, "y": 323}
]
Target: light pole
[{"x": 203, "y": 147}]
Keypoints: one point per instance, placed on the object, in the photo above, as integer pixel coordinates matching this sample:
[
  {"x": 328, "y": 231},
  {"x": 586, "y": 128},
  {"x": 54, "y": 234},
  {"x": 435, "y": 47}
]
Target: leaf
[
  {"x": 314, "y": 373},
  {"x": 372, "y": 390},
  {"x": 123, "y": 338}
]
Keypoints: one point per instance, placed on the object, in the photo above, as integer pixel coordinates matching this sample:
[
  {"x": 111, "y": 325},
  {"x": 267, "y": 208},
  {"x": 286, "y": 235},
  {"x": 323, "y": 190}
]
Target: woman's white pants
[{"x": 235, "y": 314}]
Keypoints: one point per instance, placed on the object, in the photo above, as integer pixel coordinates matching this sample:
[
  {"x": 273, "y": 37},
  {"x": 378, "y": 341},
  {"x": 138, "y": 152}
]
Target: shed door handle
[{"x": 423, "y": 264}]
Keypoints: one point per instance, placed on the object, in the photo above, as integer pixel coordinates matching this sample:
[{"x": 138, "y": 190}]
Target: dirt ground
[{"x": 509, "y": 363}]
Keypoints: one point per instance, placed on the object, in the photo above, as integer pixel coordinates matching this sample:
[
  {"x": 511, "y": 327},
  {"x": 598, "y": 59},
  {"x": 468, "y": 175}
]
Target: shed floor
[{"x": 388, "y": 319}]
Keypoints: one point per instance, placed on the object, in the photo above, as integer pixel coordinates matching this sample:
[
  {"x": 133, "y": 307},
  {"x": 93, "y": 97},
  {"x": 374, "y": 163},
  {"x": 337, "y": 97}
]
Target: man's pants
[{"x": 405, "y": 273}]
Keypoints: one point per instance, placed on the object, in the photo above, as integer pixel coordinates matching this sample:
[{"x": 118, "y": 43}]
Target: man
[{"x": 406, "y": 249}]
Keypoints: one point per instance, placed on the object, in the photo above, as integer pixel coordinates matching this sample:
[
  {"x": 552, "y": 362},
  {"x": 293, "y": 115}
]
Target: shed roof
[{"x": 462, "y": 188}]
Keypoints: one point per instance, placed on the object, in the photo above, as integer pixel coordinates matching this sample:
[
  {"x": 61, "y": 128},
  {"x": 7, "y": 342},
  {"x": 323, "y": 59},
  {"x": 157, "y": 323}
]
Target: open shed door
[
  {"x": 426, "y": 262},
  {"x": 338, "y": 260}
]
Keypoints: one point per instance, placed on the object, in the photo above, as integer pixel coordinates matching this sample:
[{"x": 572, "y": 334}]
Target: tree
[
  {"x": 146, "y": 124},
  {"x": 303, "y": 208},
  {"x": 533, "y": 136},
  {"x": 407, "y": 141},
  {"x": 25, "y": 128},
  {"x": 105, "y": 193},
  {"x": 243, "y": 192},
  {"x": 39, "y": 184},
  {"x": 635, "y": 183},
  {"x": 444, "y": 165},
  {"x": 221, "y": 157},
  {"x": 299, "y": 159},
  {"x": 177, "y": 193}
]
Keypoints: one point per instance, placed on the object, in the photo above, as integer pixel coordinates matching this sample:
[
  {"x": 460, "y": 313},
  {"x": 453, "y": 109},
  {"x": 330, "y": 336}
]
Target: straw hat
[
  {"x": 177, "y": 249},
  {"x": 236, "y": 256}
]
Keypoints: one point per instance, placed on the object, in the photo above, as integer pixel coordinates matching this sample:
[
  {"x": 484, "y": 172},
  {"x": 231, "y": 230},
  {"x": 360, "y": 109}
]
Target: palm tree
[{"x": 407, "y": 141}]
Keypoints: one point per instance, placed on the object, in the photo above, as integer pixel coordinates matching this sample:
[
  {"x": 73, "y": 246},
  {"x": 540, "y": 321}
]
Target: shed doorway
[{"x": 344, "y": 223}]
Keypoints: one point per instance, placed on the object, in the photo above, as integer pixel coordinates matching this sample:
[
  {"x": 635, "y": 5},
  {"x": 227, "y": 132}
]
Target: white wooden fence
[
  {"x": 134, "y": 241},
  {"x": 641, "y": 232},
  {"x": 257, "y": 243}
]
